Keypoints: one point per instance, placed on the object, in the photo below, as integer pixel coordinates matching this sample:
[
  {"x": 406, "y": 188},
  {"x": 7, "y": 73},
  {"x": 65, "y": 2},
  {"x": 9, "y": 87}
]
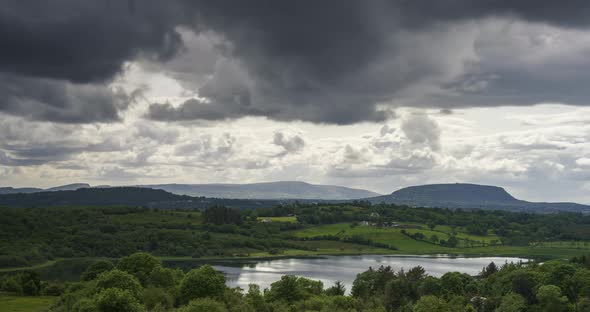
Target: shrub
[{"x": 204, "y": 305}]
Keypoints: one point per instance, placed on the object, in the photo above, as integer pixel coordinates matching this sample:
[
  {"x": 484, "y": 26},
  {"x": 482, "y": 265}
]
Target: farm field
[
  {"x": 279, "y": 219},
  {"x": 12, "y": 303},
  {"x": 407, "y": 245}
]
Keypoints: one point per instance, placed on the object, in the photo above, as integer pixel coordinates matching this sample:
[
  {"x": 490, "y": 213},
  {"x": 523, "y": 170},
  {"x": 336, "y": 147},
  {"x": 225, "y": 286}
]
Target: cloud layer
[{"x": 330, "y": 62}]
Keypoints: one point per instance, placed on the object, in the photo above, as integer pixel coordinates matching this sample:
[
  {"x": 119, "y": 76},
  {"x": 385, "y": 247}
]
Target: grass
[
  {"x": 279, "y": 219},
  {"x": 390, "y": 236},
  {"x": 407, "y": 245},
  {"x": 11, "y": 303}
]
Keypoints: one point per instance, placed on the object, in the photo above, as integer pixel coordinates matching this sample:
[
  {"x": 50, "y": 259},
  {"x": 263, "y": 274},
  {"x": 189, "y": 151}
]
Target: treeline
[
  {"x": 32, "y": 236},
  {"x": 140, "y": 283}
]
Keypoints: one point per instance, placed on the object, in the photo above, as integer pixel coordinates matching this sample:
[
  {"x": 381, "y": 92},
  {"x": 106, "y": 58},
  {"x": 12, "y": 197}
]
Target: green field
[
  {"x": 279, "y": 219},
  {"x": 11, "y": 303},
  {"x": 407, "y": 245}
]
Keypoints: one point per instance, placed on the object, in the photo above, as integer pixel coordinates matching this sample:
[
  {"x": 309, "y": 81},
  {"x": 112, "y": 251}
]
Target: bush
[
  {"x": 53, "y": 289},
  {"x": 204, "y": 305}
]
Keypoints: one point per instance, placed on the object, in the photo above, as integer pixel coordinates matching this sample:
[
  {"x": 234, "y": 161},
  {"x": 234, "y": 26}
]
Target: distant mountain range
[
  {"x": 270, "y": 190},
  {"x": 28, "y": 190},
  {"x": 459, "y": 195},
  {"x": 471, "y": 196},
  {"x": 124, "y": 196}
]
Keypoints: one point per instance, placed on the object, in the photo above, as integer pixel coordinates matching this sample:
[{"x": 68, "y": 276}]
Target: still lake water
[{"x": 330, "y": 269}]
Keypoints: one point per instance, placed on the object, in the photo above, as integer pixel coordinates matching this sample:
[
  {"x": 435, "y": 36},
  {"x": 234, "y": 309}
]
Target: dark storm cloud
[
  {"x": 57, "y": 55},
  {"x": 59, "y": 101},
  {"x": 82, "y": 40},
  {"x": 327, "y": 61},
  {"x": 334, "y": 61}
]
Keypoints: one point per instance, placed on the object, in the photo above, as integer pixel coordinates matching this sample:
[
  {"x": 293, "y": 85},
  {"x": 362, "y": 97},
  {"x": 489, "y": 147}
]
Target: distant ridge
[
  {"x": 29, "y": 190},
  {"x": 471, "y": 196},
  {"x": 124, "y": 196},
  {"x": 269, "y": 190},
  {"x": 24, "y": 190}
]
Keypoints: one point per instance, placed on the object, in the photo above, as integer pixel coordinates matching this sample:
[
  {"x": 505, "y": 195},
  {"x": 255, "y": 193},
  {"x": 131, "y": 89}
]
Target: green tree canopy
[
  {"x": 119, "y": 279},
  {"x": 139, "y": 264},
  {"x": 95, "y": 269},
  {"x": 202, "y": 282},
  {"x": 117, "y": 300}
]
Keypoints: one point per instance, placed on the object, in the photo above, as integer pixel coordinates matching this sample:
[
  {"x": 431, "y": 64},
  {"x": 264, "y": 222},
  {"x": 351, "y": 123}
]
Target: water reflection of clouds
[{"x": 330, "y": 269}]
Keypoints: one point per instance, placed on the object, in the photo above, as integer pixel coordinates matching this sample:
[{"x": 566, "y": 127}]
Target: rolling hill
[
  {"x": 471, "y": 196},
  {"x": 270, "y": 190},
  {"x": 28, "y": 190},
  {"x": 124, "y": 196}
]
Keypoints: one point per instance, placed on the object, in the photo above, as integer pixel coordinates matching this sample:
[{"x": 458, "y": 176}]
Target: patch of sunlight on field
[{"x": 279, "y": 219}]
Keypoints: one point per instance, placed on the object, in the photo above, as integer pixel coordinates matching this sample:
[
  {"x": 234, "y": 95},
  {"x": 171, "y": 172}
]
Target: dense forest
[
  {"x": 35, "y": 235},
  {"x": 139, "y": 282}
]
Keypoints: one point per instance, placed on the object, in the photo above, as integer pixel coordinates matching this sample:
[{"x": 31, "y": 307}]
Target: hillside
[
  {"x": 28, "y": 190},
  {"x": 13, "y": 190},
  {"x": 123, "y": 196},
  {"x": 471, "y": 196},
  {"x": 270, "y": 190}
]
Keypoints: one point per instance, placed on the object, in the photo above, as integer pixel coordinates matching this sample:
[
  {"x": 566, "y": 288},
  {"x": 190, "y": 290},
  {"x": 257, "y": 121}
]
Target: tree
[
  {"x": 454, "y": 283},
  {"x": 511, "y": 303},
  {"x": 452, "y": 241},
  {"x": 221, "y": 215},
  {"x": 96, "y": 269},
  {"x": 139, "y": 264},
  {"x": 489, "y": 270},
  {"x": 154, "y": 298},
  {"x": 551, "y": 299},
  {"x": 31, "y": 283},
  {"x": 524, "y": 283},
  {"x": 202, "y": 282},
  {"x": 431, "y": 225},
  {"x": 434, "y": 238},
  {"x": 287, "y": 288},
  {"x": 255, "y": 298},
  {"x": 117, "y": 300},
  {"x": 164, "y": 277},
  {"x": 337, "y": 290},
  {"x": 85, "y": 305},
  {"x": 429, "y": 286},
  {"x": 204, "y": 305},
  {"x": 431, "y": 304},
  {"x": 119, "y": 279}
]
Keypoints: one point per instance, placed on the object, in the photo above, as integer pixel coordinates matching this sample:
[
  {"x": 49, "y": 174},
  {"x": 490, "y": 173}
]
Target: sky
[{"x": 370, "y": 94}]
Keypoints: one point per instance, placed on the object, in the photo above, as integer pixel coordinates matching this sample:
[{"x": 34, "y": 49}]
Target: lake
[{"x": 330, "y": 269}]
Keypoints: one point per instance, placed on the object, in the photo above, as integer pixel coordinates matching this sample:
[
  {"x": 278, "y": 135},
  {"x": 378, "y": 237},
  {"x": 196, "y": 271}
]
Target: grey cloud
[
  {"x": 59, "y": 100},
  {"x": 157, "y": 133},
  {"x": 420, "y": 129},
  {"x": 291, "y": 144},
  {"x": 208, "y": 147},
  {"x": 324, "y": 62},
  {"x": 84, "y": 41}
]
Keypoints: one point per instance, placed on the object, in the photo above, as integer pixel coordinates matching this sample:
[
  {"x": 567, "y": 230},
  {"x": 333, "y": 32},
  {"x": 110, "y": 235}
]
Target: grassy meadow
[{"x": 12, "y": 303}]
